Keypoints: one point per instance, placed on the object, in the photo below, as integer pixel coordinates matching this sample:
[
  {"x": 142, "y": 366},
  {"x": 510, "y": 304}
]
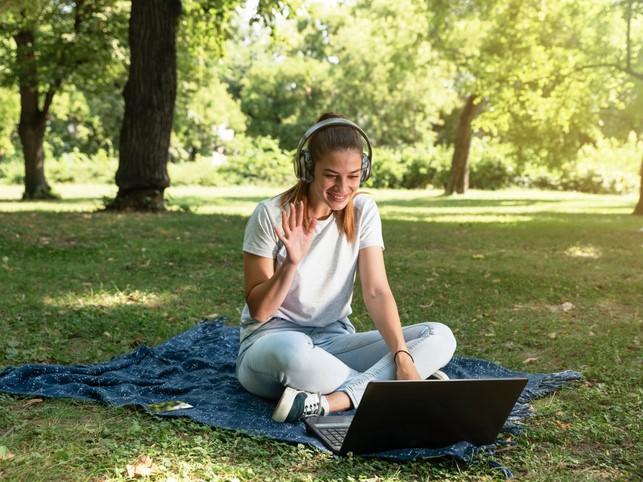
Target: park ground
[{"x": 537, "y": 281}]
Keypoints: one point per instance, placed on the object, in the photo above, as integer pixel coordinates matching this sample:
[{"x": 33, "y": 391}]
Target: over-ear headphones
[{"x": 303, "y": 161}]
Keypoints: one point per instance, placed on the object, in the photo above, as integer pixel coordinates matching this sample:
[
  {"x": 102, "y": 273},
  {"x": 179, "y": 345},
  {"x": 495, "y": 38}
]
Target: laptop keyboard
[{"x": 335, "y": 435}]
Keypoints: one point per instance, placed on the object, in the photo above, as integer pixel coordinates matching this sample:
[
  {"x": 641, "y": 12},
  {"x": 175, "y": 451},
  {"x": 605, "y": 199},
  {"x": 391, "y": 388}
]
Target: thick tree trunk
[
  {"x": 149, "y": 96},
  {"x": 33, "y": 120},
  {"x": 638, "y": 210},
  {"x": 459, "y": 177}
]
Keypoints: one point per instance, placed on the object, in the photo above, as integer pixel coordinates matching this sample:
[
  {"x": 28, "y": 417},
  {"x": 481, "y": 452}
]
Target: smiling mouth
[{"x": 337, "y": 198}]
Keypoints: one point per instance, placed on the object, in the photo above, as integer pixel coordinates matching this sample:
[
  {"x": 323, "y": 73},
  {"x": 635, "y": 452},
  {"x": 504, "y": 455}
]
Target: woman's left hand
[{"x": 406, "y": 369}]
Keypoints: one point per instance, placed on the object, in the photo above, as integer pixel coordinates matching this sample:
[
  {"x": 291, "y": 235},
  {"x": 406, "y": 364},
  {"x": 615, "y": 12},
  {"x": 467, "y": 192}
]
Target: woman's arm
[
  {"x": 265, "y": 287},
  {"x": 382, "y": 308}
]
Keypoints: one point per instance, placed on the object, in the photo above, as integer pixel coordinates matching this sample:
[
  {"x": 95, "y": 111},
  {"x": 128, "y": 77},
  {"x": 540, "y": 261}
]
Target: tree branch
[{"x": 49, "y": 96}]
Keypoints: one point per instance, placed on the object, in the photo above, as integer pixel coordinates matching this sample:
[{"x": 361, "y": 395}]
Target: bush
[
  {"x": 606, "y": 167},
  {"x": 257, "y": 160},
  {"x": 491, "y": 165},
  {"x": 202, "y": 172},
  {"x": 70, "y": 167},
  {"x": 415, "y": 166}
]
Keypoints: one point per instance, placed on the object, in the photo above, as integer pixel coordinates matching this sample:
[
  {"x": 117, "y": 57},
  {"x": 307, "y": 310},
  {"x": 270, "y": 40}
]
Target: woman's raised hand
[{"x": 296, "y": 238}]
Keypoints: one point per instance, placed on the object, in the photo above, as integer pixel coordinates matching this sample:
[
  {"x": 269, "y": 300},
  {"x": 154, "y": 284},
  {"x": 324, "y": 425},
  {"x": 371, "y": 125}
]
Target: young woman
[{"x": 302, "y": 250}]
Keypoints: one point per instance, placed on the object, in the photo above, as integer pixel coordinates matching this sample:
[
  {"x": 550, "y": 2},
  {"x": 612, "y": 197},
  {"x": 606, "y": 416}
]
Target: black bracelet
[{"x": 402, "y": 351}]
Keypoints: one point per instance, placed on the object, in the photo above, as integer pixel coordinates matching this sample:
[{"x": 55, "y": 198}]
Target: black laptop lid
[{"x": 431, "y": 413}]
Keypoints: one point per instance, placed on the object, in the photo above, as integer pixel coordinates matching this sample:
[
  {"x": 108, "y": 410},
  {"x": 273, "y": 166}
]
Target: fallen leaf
[
  {"x": 5, "y": 454},
  {"x": 142, "y": 467},
  {"x": 31, "y": 402},
  {"x": 563, "y": 425},
  {"x": 567, "y": 306},
  {"x": 478, "y": 256},
  {"x": 552, "y": 335},
  {"x": 530, "y": 359}
]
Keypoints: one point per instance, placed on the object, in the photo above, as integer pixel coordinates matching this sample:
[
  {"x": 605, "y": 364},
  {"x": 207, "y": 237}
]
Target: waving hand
[{"x": 296, "y": 238}]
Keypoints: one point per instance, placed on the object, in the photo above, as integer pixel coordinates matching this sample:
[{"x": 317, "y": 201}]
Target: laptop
[{"x": 399, "y": 414}]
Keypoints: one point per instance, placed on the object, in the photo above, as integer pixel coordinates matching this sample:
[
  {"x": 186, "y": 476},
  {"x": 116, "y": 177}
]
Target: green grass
[{"x": 501, "y": 268}]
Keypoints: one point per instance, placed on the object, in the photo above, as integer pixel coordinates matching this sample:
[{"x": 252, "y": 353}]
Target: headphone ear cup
[
  {"x": 306, "y": 169},
  {"x": 366, "y": 168}
]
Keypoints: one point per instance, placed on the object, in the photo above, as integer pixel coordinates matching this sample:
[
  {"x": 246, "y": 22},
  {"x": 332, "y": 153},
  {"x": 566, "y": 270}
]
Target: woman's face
[{"x": 336, "y": 180}]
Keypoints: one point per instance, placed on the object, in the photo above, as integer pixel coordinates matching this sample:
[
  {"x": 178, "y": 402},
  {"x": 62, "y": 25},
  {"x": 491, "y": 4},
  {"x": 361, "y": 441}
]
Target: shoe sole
[
  {"x": 438, "y": 375},
  {"x": 284, "y": 405}
]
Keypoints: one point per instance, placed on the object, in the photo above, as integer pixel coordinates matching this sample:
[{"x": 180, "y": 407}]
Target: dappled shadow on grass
[
  {"x": 52, "y": 201},
  {"x": 197, "y": 201},
  {"x": 150, "y": 276},
  {"x": 448, "y": 201}
]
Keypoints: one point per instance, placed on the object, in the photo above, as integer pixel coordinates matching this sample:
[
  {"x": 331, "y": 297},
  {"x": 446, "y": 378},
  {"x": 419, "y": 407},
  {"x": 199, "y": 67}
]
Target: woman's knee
[
  {"x": 282, "y": 353},
  {"x": 446, "y": 334},
  {"x": 438, "y": 330}
]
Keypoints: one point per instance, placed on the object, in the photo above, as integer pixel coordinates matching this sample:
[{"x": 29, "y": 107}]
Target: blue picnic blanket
[{"x": 198, "y": 367}]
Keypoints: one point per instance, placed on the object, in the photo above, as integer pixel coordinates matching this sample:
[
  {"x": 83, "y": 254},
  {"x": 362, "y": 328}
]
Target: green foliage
[
  {"x": 243, "y": 160},
  {"x": 258, "y": 160},
  {"x": 85, "y": 122},
  {"x": 415, "y": 166},
  {"x": 545, "y": 69},
  {"x": 609, "y": 166},
  {"x": 70, "y": 167},
  {"x": 206, "y": 115},
  {"x": 540, "y": 68},
  {"x": 492, "y": 166},
  {"x": 283, "y": 102},
  {"x": 9, "y": 112},
  {"x": 82, "y": 44},
  {"x": 377, "y": 69}
]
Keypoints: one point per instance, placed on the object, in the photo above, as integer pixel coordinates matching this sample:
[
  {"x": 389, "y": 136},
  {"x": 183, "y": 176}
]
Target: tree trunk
[
  {"x": 33, "y": 121},
  {"x": 149, "y": 96},
  {"x": 638, "y": 210},
  {"x": 459, "y": 177}
]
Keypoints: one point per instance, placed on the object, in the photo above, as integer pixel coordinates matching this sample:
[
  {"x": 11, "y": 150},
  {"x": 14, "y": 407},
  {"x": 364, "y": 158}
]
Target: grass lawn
[{"x": 537, "y": 281}]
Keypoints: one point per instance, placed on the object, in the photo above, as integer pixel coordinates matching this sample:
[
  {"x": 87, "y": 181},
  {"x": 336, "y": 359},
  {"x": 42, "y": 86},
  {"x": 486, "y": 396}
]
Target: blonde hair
[{"x": 345, "y": 217}]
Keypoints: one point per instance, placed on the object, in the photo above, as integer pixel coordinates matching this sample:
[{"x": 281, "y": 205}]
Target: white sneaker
[
  {"x": 294, "y": 405},
  {"x": 438, "y": 375}
]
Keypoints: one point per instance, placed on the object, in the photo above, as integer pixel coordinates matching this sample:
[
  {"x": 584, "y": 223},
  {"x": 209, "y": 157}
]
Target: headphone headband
[{"x": 302, "y": 155}]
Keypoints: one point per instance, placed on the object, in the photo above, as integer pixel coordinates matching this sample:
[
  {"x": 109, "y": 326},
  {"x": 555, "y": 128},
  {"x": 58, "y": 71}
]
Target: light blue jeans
[{"x": 333, "y": 358}]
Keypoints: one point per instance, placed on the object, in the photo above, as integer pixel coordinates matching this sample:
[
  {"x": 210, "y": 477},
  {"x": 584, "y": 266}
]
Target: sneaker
[
  {"x": 438, "y": 375},
  {"x": 294, "y": 405}
]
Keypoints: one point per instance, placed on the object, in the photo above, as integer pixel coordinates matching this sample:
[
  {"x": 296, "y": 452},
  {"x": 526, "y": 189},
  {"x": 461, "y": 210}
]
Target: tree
[
  {"x": 632, "y": 9},
  {"x": 149, "y": 96},
  {"x": 638, "y": 210},
  {"x": 522, "y": 59},
  {"x": 151, "y": 88},
  {"x": 45, "y": 45}
]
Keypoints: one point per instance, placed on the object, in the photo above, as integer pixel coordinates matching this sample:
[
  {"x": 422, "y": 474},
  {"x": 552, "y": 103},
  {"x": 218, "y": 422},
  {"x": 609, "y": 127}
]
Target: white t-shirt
[{"x": 322, "y": 289}]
